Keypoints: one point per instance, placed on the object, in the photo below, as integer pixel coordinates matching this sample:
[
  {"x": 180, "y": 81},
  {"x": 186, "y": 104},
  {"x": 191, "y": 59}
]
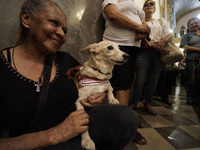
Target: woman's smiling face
[
  {"x": 48, "y": 29},
  {"x": 194, "y": 25}
]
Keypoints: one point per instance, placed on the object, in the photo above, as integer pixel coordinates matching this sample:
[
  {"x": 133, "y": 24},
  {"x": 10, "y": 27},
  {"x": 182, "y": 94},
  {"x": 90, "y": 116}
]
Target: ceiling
[{"x": 181, "y": 7}]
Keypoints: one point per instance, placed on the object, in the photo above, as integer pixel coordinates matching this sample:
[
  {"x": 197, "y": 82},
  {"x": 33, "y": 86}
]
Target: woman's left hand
[
  {"x": 95, "y": 99},
  {"x": 164, "y": 51},
  {"x": 160, "y": 49},
  {"x": 160, "y": 45}
]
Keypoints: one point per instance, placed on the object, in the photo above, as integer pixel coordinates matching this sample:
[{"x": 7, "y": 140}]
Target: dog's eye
[{"x": 110, "y": 48}]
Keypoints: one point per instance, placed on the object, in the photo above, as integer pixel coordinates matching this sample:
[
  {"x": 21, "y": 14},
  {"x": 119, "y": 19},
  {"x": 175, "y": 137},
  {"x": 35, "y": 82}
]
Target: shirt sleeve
[
  {"x": 184, "y": 40},
  {"x": 106, "y": 2},
  {"x": 165, "y": 27}
]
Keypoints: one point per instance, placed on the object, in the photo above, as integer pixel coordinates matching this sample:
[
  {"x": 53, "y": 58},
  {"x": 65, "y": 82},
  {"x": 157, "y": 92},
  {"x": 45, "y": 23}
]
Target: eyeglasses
[{"x": 151, "y": 4}]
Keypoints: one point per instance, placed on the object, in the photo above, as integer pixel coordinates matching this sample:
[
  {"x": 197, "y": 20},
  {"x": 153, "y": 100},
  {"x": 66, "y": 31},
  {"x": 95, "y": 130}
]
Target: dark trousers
[
  {"x": 190, "y": 69},
  {"x": 169, "y": 74},
  {"x": 111, "y": 127},
  {"x": 162, "y": 85},
  {"x": 182, "y": 77}
]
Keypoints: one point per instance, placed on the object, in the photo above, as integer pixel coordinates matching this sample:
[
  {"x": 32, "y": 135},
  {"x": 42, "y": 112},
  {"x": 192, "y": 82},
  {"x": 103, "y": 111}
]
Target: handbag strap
[{"x": 44, "y": 92}]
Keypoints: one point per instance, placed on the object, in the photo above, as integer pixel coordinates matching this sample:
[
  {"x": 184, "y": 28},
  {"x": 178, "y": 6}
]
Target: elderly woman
[
  {"x": 191, "y": 44},
  {"x": 37, "y": 99}
]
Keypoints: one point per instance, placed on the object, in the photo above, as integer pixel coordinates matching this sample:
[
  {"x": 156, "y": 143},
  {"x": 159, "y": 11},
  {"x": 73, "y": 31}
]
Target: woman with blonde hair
[{"x": 148, "y": 63}]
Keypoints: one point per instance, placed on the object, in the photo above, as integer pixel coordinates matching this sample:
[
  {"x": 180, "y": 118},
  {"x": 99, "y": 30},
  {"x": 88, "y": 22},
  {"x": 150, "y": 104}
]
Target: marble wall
[{"x": 84, "y": 20}]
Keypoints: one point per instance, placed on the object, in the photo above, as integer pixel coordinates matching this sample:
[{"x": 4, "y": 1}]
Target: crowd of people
[{"x": 37, "y": 99}]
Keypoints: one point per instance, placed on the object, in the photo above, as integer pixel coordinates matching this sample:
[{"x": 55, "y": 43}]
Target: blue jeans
[
  {"x": 148, "y": 70},
  {"x": 111, "y": 127},
  {"x": 190, "y": 72}
]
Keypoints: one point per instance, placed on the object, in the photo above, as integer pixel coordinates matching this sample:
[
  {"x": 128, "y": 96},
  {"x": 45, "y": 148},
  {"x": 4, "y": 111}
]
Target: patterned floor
[{"x": 174, "y": 128}]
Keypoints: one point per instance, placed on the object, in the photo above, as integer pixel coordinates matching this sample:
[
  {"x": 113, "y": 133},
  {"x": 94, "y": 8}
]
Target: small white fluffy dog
[{"x": 98, "y": 69}]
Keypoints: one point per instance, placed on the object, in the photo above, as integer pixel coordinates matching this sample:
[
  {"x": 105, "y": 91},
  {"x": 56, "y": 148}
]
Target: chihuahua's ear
[{"x": 92, "y": 48}]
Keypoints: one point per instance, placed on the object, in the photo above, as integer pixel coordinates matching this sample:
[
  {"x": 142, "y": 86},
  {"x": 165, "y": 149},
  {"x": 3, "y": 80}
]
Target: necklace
[{"x": 39, "y": 83}]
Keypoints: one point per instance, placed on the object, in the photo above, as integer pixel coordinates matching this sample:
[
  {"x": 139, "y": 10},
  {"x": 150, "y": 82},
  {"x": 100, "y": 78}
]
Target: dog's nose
[{"x": 125, "y": 56}]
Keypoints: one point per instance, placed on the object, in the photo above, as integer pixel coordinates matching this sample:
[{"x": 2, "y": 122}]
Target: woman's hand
[
  {"x": 159, "y": 48},
  {"x": 76, "y": 123},
  {"x": 160, "y": 45},
  {"x": 95, "y": 99},
  {"x": 164, "y": 51}
]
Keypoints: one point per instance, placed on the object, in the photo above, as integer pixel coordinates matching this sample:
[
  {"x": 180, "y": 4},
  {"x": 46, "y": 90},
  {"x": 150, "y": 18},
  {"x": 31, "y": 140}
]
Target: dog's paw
[
  {"x": 114, "y": 101},
  {"x": 88, "y": 143}
]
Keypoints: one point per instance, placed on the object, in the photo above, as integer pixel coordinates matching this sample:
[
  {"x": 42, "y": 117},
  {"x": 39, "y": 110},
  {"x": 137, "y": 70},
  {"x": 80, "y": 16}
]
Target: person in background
[
  {"x": 124, "y": 24},
  {"x": 190, "y": 42},
  {"x": 148, "y": 63},
  {"x": 34, "y": 70}
]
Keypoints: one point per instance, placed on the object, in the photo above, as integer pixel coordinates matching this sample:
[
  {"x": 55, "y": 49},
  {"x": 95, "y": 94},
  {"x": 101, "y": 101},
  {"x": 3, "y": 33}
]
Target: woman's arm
[
  {"x": 191, "y": 48},
  {"x": 159, "y": 46},
  {"x": 73, "y": 125},
  {"x": 166, "y": 39},
  {"x": 116, "y": 17},
  {"x": 163, "y": 41}
]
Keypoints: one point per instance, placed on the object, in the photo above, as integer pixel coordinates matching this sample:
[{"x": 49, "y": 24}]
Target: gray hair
[{"x": 32, "y": 7}]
